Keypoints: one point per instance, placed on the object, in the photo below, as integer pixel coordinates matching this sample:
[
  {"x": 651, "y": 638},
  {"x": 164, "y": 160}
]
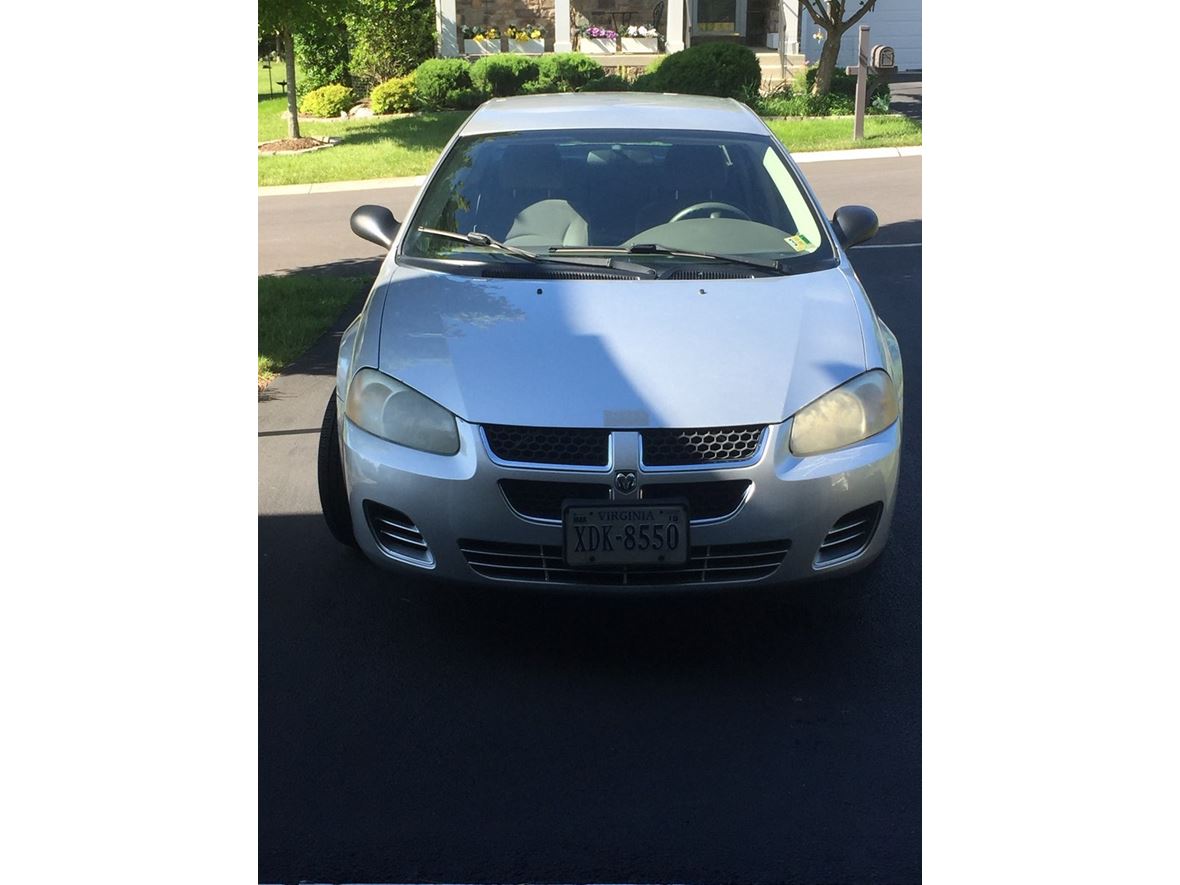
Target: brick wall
[{"x": 499, "y": 13}]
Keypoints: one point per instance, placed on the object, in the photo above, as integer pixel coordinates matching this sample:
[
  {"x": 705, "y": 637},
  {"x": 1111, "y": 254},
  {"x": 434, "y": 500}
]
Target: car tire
[{"x": 333, "y": 495}]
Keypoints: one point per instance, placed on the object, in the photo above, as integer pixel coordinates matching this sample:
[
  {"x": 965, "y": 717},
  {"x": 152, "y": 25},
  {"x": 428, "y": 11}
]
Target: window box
[
  {"x": 596, "y": 45},
  {"x": 481, "y": 47},
  {"x": 527, "y": 47},
  {"x": 640, "y": 44}
]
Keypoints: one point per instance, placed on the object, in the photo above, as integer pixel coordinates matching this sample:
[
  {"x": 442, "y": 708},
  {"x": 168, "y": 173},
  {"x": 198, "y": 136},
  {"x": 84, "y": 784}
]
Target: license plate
[{"x": 613, "y": 534}]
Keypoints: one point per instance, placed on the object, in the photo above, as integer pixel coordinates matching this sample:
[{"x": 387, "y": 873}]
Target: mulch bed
[{"x": 290, "y": 144}]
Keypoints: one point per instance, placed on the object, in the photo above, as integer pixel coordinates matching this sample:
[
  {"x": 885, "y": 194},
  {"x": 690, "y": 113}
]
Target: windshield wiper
[
  {"x": 478, "y": 239},
  {"x": 770, "y": 264}
]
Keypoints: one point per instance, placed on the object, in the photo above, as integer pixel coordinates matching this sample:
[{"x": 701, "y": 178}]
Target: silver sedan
[{"x": 617, "y": 343}]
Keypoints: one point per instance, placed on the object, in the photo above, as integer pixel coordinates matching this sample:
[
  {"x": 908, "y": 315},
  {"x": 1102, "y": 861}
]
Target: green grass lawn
[
  {"x": 293, "y": 311},
  {"x": 388, "y": 147},
  {"x": 835, "y": 133},
  {"x": 392, "y": 147},
  {"x": 271, "y": 88}
]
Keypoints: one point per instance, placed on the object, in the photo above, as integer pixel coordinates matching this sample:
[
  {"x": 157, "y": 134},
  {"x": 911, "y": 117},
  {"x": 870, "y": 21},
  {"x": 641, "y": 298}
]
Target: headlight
[
  {"x": 388, "y": 409},
  {"x": 853, "y": 411}
]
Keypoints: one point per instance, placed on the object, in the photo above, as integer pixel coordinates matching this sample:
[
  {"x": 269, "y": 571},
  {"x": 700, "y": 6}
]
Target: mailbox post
[{"x": 878, "y": 61}]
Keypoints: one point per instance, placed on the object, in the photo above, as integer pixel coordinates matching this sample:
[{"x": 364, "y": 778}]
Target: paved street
[
  {"x": 311, "y": 230},
  {"x": 413, "y": 732},
  {"x": 906, "y": 92}
]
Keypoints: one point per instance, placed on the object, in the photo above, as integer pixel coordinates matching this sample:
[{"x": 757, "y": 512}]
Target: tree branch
[
  {"x": 860, "y": 13},
  {"x": 820, "y": 18}
]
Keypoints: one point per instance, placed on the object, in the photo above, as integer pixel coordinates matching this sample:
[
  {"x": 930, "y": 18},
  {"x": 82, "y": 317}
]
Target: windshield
[{"x": 581, "y": 190}]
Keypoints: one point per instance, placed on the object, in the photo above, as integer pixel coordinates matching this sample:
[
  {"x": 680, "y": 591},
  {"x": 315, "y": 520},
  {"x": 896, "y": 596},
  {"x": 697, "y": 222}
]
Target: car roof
[{"x": 612, "y": 110}]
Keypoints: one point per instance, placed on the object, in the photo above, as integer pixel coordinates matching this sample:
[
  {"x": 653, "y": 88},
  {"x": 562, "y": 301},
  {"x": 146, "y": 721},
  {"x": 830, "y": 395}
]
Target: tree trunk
[
  {"x": 346, "y": 74},
  {"x": 827, "y": 63},
  {"x": 292, "y": 103}
]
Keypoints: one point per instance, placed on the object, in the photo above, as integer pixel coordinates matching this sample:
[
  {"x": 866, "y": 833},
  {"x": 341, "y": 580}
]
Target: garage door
[{"x": 897, "y": 23}]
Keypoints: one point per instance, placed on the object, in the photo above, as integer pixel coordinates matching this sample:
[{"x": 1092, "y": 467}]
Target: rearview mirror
[
  {"x": 375, "y": 224},
  {"x": 854, "y": 224}
]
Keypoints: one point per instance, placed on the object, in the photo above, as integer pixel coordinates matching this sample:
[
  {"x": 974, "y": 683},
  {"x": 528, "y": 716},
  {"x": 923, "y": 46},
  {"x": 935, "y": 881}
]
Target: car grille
[
  {"x": 850, "y": 535},
  {"x": 542, "y": 500},
  {"x": 543, "y": 564},
  {"x": 709, "y": 445},
  {"x": 706, "y": 500},
  {"x": 396, "y": 533},
  {"x": 539, "y": 499},
  {"x": 548, "y": 445}
]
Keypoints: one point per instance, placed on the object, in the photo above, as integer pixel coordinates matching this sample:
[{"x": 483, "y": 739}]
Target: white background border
[{"x": 129, "y": 630}]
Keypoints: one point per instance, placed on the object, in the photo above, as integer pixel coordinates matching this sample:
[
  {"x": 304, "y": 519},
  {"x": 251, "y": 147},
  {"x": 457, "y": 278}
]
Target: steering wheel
[{"x": 700, "y": 207}]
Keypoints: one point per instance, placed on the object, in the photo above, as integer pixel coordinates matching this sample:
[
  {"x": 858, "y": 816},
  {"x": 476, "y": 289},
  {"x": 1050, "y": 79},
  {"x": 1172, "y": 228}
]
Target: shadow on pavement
[
  {"x": 347, "y": 267},
  {"x": 899, "y": 232},
  {"x": 413, "y": 731}
]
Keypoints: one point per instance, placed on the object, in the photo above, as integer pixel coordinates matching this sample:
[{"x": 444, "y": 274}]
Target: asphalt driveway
[{"x": 418, "y": 732}]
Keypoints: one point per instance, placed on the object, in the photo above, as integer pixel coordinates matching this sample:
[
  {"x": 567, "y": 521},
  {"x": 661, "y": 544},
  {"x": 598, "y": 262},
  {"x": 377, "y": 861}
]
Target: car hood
[{"x": 621, "y": 353}]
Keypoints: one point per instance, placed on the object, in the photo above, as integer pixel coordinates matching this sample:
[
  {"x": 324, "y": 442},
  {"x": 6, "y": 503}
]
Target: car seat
[{"x": 532, "y": 183}]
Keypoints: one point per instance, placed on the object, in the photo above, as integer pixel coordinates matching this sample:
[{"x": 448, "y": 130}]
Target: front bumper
[{"x": 449, "y": 498}]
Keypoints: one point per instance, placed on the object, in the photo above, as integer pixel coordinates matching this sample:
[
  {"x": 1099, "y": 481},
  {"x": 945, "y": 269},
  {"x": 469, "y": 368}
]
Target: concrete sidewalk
[{"x": 329, "y": 187}]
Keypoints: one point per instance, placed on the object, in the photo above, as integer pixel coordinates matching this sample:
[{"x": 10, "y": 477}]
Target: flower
[
  {"x": 595, "y": 31},
  {"x": 525, "y": 32},
  {"x": 642, "y": 31},
  {"x": 480, "y": 33}
]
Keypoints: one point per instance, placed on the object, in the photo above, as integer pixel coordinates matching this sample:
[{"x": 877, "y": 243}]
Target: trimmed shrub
[
  {"x": 393, "y": 96},
  {"x": 503, "y": 75},
  {"x": 646, "y": 83},
  {"x": 464, "y": 99},
  {"x": 327, "y": 101},
  {"x": 609, "y": 83},
  {"x": 564, "y": 72},
  {"x": 726, "y": 70},
  {"x": 440, "y": 81}
]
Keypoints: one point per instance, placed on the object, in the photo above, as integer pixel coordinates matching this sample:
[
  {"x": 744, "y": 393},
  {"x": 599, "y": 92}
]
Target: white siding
[{"x": 896, "y": 23}]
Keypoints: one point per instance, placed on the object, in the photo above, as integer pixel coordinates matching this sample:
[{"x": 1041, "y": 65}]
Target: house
[
  {"x": 759, "y": 24},
  {"x": 683, "y": 23}
]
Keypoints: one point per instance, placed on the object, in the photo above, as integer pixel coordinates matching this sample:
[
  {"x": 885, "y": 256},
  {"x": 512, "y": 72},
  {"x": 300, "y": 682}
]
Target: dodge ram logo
[{"x": 625, "y": 481}]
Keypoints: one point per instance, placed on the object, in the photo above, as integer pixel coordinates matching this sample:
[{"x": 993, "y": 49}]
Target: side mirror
[
  {"x": 375, "y": 224},
  {"x": 854, "y": 224}
]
